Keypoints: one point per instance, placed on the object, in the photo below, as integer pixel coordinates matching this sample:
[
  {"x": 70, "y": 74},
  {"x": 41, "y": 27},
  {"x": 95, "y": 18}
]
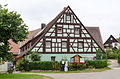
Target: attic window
[
  {"x": 111, "y": 38},
  {"x": 48, "y": 44},
  {"x": 77, "y": 31},
  {"x": 64, "y": 44},
  {"x": 80, "y": 44},
  {"x": 59, "y": 30},
  {"x": 68, "y": 17}
]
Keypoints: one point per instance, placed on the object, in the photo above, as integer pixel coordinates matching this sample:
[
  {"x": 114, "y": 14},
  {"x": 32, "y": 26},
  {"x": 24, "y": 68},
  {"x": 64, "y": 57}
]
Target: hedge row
[
  {"x": 96, "y": 63},
  {"x": 119, "y": 58},
  {"x": 44, "y": 65}
]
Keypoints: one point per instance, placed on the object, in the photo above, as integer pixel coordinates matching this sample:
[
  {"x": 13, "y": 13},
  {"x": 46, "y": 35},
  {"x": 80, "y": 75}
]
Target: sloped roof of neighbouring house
[
  {"x": 111, "y": 39},
  {"x": 15, "y": 47}
]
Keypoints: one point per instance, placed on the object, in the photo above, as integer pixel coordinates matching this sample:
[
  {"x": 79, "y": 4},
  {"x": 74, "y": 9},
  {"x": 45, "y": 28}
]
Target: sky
[{"x": 104, "y": 14}]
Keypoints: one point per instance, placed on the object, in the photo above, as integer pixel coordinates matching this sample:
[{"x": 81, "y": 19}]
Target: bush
[
  {"x": 76, "y": 66},
  {"x": 23, "y": 65},
  {"x": 119, "y": 58},
  {"x": 96, "y": 63},
  {"x": 100, "y": 55},
  {"x": 35, "y": 56},
  {"x": 44, "y": 65},
  {"x": 10, "y": 70},
  {"x": 112, "y": 56}
]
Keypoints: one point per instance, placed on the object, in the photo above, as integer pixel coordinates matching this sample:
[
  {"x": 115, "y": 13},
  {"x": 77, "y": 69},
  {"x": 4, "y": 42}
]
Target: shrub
[
  {"x": 35, "y": 56},
  {"x": 119, "y": 58},
  {"x": 44, "y": 65},
  {"x": 76, "y": 66},
  {"x": 100, "y": 55},
  {"x": 112, "y": 56},
  {"x": 10, "y": 70},
  {"x": 23, "y": 65},
  {"x": 96, "y": 63}
]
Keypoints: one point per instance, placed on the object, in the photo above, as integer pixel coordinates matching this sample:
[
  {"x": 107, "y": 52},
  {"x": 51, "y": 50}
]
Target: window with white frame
[
  {"x": 80, "y": 45},
  {"x": 59, "y": 30},
  {"x": 48, "y": 44},
  {"x": 77, "y": 31},
  {"x": 64, "y": 44}
]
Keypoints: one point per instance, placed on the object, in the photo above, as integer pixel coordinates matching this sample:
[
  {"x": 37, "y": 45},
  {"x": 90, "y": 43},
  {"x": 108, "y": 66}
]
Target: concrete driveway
[{"x": 113, "y": 73}]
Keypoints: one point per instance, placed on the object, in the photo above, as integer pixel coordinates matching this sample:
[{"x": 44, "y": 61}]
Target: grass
[
  {"x": 79, "y": 71},
  {"x": 22, "y": 76}
]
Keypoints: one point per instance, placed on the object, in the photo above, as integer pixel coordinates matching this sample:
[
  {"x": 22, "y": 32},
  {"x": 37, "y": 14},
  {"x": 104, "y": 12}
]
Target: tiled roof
[
  {"x": 94, "y": 31},
  {"x": 15, "y": 47}
]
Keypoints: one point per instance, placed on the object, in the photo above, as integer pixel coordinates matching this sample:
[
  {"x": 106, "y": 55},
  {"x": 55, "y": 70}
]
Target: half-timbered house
[
  {"x": 111, "y": 43},
  {"x": 64, "y": 37}
]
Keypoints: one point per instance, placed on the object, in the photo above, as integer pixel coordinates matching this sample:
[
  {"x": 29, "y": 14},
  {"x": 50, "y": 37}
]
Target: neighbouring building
[
  {"x": 64, "y": 37},
  {"x": 111, "y": 43}
]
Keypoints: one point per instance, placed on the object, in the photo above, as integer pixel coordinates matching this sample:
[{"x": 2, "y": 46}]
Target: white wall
[{"x": 3, "y": 67}]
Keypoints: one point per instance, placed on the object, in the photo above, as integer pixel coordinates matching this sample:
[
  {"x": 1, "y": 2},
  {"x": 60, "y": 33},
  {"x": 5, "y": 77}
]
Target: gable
[
  {"x": 111, "y": 39},
  {"x": 67, "y": 30},
  {"x": 65, "y": 34}
]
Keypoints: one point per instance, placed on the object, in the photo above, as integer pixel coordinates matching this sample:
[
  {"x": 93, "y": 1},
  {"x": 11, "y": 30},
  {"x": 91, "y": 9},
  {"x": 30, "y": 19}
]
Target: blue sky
[{"x": 102, "y": 13}]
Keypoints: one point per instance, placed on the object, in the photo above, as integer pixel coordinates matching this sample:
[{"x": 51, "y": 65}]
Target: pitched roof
[
  {"x": 95, "y": 35},
  {"x": 110, "y": 41},
  {"x": 95, "y": 32},
  {"x": 15, "y": 47}
]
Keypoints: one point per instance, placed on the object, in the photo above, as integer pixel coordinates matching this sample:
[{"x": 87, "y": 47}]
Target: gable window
[
  {"x": 68, "y": 17},
  {"x": 80, "y": 45},
  {"x": 48, "y": 44},
  {"x": 111, "y": 38},
  {"x": 77, "y": 31},
  {"x": 59, "y": 30},
  {"x": 64, "y": 44},
  {"x": 52, "y": 58}
]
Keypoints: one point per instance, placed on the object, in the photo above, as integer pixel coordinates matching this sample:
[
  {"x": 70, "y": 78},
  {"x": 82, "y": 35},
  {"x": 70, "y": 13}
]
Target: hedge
[
  {"x": 96, "y": 63},
  {"x": 119, "y": 58},
  {"x": 44, "y": 65}
]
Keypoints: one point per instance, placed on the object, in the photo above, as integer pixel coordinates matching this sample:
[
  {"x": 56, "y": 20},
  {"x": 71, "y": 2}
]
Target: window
[
  {"x": 106, "y": 44},
  {"x": 77, "y": 31},
  {"x": 59, "y": 30},
  {"x": 52, "y": 58},
  {"x": 80, "y": 45},
  {"x": 64, "y": 44},
  {"x": 111, "y": 38},
  {"x": 48, "y": 44},
  {"x": 68, "y": 17}
]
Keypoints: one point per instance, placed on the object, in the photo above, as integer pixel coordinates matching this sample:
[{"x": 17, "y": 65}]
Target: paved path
[{"x": 113, "y": 73}]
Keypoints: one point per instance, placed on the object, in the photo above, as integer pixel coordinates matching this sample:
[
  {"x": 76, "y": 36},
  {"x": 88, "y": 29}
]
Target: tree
[
  {"x": 35, "y": 56},
  {"x": 100, "y": 55},
  {"x": 11, "y": 27}
]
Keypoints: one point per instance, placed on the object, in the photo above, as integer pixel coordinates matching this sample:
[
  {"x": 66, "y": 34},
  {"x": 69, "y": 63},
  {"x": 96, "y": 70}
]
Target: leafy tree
[
  {"x": 100, "y": 55},
  {"x": 12, "y": 27},
  {"x": 35, "y": 56}
]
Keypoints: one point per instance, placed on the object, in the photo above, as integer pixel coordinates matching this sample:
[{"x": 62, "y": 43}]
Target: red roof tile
[{"x": 15, "y": 47}]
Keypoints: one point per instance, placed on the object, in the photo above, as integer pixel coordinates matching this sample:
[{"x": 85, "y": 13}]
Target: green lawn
[
  {"x": 22, "y": 76},
  {"x": 79, "y": 71}
]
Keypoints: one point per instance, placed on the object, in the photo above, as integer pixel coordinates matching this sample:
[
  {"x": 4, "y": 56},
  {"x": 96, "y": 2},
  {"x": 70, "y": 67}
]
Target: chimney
[{"x": 43, "y": 25}]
